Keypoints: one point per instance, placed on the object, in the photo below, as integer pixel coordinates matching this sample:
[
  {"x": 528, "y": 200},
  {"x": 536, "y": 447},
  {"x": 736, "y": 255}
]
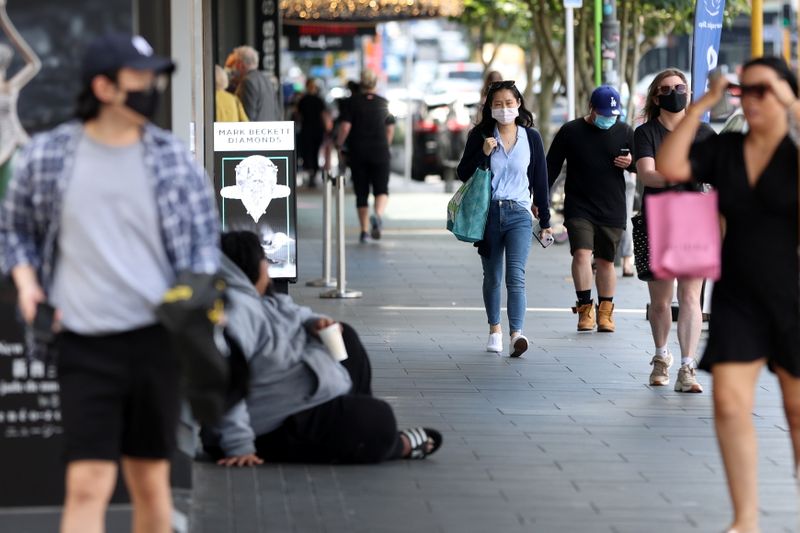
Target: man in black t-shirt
[
  {"x": 368, "y": 128},
  {"x": 597, "y": 149},
  {"x": 314, "y": 120}
]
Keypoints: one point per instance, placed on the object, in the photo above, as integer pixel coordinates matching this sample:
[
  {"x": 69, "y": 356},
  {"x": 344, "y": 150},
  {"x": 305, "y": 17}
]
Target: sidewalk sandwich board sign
[{"x": 254, "y": 180}]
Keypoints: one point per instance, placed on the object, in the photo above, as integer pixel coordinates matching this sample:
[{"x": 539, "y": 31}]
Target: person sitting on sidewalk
[
  {"x": 303, "y": 405},
  {"x": 597, "y": 148}
]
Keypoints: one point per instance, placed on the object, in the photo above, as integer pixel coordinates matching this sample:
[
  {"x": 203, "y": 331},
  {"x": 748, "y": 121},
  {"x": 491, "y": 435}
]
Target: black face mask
[
  {"x": 144, "y": 102},
  {"x": 672, "y": 102}
]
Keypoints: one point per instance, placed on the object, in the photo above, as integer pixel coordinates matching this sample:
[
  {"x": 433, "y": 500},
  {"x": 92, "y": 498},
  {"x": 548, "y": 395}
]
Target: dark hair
[
  {"x": 778, "y": 65},
  {"x": 88, "y": 106},
  {"x": 245, "y": 250},
  {"x": 651, "y": 109},
  {"x": 487, "y": 123}
]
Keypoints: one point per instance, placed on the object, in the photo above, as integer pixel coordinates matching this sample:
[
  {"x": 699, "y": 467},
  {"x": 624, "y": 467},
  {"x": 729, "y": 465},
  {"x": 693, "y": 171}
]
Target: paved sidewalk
[{"x": 567, "y": 439}]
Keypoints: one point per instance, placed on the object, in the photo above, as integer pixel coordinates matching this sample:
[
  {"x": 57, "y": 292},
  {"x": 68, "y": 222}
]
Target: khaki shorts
[{"x": 586, "y": 235}]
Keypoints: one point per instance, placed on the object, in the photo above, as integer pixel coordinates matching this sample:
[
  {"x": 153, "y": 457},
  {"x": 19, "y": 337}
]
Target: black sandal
[{"x": 419, "y": 438}]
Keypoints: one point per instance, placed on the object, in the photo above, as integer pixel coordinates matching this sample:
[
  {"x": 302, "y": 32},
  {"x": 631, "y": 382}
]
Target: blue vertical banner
[{"x": 705, "y": 44}]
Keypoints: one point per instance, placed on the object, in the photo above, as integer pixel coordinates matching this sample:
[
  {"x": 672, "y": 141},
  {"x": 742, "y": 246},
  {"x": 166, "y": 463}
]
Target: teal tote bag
[{"x": 469, "y": 207}]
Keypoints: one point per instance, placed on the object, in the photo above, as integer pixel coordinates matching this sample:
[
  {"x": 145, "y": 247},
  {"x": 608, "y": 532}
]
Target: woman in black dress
[{"x": 754, "y": 318}]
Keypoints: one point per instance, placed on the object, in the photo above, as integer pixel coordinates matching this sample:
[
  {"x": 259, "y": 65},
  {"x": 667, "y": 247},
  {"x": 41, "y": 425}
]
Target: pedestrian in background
[
  {"x": 665, "y": 107},
  {"x": 506, "y": 139},
  {"x": 315, "y": 123},
  {"x": 255, "y": 88},
  {"x": 101, "y": 215},
  {"x": 368, "y": 128},
  {"x": 596, "y": 148},
  {"x": 228, "y": 106},
  {"x": 491, "y": 77},
  {"x": 755, "y": 302}
]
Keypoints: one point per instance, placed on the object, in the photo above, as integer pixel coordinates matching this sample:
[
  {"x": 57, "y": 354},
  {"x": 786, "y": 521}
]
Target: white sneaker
[
  {"x": 519, "y": 345},
  {"x": 495, "y": 343}
]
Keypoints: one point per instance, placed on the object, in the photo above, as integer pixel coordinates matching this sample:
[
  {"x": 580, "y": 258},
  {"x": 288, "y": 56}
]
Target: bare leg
[
  {"x": 89, "y": 488},
  {"x": 363, "y": 218},
  {"x": 790, "y": 386},
  {"x": 734, "y": 392},
  {"x": 660, "y": 312},
  {"x": 381, "y": 201},
  {"x": 690, "y": 315},
  {"x": 496, "y": 328},
  {"x": 582, "y": 269},
  {"x": 606, "y": 278},
  {"x": 148, "y": 484}
]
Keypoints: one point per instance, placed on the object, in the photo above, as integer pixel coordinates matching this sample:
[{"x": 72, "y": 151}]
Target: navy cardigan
[{"x": 537, "y": 169}]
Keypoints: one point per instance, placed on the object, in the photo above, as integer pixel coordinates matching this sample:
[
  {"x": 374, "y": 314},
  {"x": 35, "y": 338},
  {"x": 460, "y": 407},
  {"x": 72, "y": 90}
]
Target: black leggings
[{"x": 354, "y": 428}]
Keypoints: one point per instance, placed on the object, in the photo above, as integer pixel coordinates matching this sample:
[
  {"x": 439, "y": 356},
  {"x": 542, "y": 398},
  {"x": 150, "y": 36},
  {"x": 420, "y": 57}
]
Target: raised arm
[
  {"x": 672, "y": 159},
  {"x": 32, "y": 63},
  {"x": 783, "y": 92}
]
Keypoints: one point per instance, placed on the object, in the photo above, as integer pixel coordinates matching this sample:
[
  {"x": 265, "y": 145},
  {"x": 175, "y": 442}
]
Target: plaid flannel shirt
[{"x": 30, "y": 214}]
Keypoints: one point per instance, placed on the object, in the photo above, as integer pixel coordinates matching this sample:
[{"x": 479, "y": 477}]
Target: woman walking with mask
[
  {"x": 755, "y": 316},
  {"x": 665, "y": 108},
  {"x": 507, "y": 143}
]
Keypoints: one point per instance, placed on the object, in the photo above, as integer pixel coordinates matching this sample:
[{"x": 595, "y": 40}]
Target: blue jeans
[{"x": 509, "y": 229}]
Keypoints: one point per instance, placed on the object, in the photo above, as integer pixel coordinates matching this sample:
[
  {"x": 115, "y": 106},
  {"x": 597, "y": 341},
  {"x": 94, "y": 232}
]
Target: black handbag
[
  {"x": 214, "y": 374},
  {"x": 641, "y": 248}
]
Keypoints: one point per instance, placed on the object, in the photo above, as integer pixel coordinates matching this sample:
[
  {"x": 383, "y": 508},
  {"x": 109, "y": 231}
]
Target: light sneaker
[
  {"x": 495, "y": 343},
  {"x": 660, "y": 374},
  {"x": 687, "y": 380},
  {"x": 519, "y": 345}
]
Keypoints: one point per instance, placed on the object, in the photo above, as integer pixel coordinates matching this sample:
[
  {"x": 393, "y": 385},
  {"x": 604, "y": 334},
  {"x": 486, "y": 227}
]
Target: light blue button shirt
[{"x": 510, "y": 169}]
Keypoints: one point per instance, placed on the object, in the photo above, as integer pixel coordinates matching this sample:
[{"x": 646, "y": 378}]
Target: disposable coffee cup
[{"x": 332, "y": 339}]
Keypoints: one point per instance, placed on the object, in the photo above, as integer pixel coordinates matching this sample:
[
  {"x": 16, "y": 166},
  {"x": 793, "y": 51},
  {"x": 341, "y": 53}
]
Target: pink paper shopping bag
[{"x": 684, "y": 235}]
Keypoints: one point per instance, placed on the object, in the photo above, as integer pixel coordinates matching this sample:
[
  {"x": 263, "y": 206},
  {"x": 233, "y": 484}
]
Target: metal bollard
[
  {"x": 327, "y": 199},
  {"x": 449, "y": 175},
  {"x": 341, "y": 282}
]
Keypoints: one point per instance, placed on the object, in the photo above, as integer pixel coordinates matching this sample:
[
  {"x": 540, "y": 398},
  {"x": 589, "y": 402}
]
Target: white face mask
[{"x": 505, "y": 115}]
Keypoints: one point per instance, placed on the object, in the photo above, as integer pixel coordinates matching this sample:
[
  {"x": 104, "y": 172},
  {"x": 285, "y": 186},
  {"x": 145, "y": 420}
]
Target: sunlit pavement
[{"x": 569, "y": 438}]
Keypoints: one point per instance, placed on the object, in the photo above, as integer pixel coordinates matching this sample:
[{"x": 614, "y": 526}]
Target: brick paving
[{"x": 569, "y": 438}]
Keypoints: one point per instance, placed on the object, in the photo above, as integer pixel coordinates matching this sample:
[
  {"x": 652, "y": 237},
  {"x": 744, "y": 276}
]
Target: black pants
[{"x": 354, "y": 428}]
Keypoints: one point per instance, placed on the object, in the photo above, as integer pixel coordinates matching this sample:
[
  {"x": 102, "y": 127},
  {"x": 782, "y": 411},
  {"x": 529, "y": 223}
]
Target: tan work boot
[
  {"x": 605, "y": 320},
  {"x": 585, "y": 312}
]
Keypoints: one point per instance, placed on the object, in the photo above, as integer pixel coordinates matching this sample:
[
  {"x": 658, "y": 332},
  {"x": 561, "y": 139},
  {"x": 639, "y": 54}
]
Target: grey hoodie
[{"x": 290, "y": 369}]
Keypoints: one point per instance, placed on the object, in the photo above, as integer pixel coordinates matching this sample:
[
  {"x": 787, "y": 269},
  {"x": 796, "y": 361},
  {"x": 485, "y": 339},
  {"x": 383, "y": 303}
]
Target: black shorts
[
  {"x": 370, "y": 172},
  {"x": 119, "y": 395},
  {"x": 586, "y": 235}
]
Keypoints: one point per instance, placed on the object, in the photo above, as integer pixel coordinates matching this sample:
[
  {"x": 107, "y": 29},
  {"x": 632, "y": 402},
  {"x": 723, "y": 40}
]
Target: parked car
[{"x": 440, "y": 127}]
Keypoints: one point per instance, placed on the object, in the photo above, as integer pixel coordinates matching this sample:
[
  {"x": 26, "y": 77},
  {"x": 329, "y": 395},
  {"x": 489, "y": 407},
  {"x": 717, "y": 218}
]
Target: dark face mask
[
  {"x": 672, "y": 102},
  {"x": 144, "y": 102}
]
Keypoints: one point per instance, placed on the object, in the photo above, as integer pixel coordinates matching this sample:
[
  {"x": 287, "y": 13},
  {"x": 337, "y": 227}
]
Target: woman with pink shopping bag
[
  {"x": 667, "y": 98},
  {"x": 755, "y": 303}
]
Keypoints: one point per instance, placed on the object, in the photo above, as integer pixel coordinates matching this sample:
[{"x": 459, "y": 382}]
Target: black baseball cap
[{"x": 111, "y": 52}]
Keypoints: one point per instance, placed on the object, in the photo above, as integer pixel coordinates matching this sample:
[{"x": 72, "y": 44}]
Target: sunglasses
[
  {"x": 757, "y": 91},
  {"x": 664, "y": 90},
  {"x": 505, "y": 84}
]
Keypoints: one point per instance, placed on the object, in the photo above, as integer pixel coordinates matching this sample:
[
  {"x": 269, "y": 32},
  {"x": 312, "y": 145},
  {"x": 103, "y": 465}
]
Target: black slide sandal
[{"x": 418, "y": 438}]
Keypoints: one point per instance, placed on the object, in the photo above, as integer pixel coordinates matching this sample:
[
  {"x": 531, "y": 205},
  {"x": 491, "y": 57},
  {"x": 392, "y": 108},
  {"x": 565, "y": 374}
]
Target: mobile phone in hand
[
  {"x": 547, "y": 241},
  {"x": 43, "y": 323},
  {"x": 624, "y": 151}
]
